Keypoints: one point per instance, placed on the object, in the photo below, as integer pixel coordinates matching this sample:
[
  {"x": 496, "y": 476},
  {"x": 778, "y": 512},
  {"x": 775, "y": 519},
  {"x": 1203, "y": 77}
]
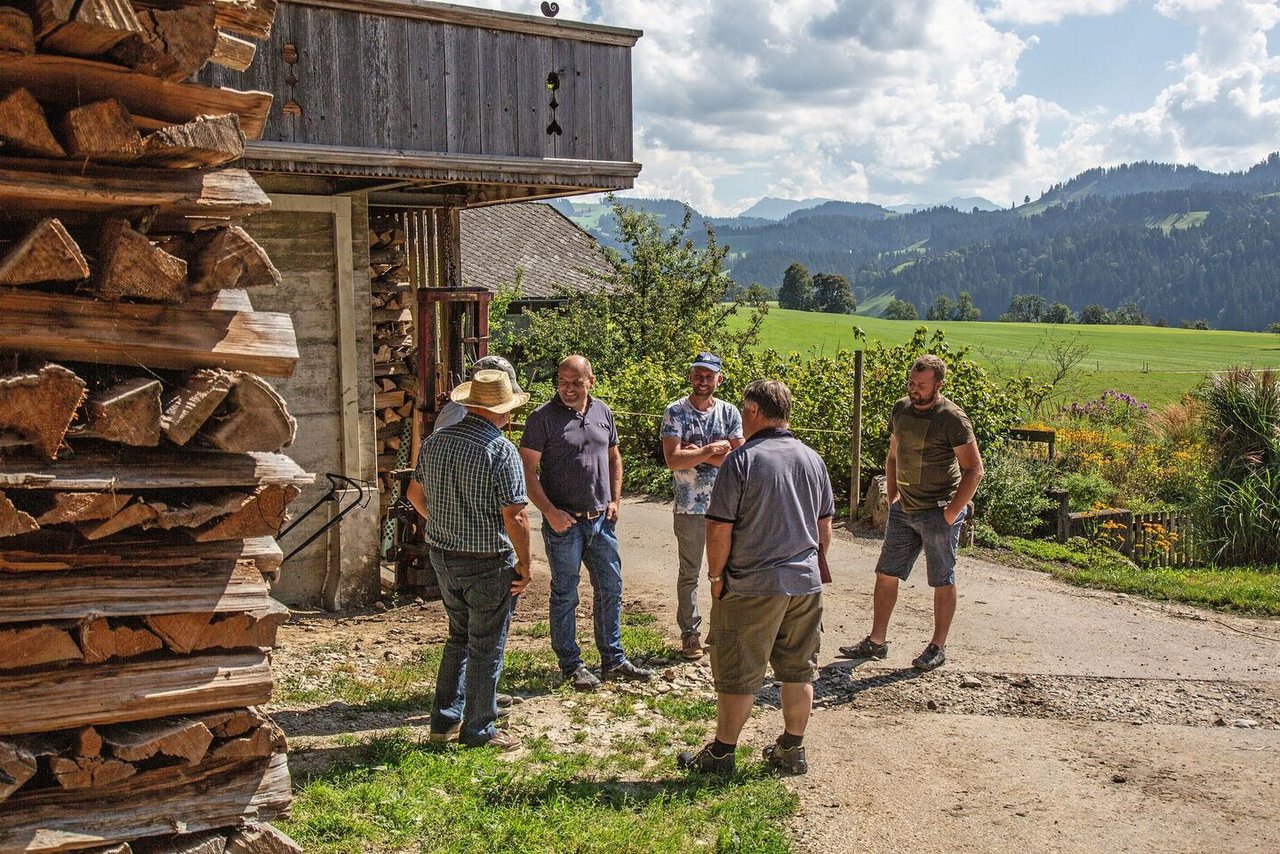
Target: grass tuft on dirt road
[{"x": 1246, "y": 590}]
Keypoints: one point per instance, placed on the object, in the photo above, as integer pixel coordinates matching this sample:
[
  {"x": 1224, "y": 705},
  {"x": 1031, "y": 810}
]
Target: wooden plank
[
  {"x": 128, "y": 469},
  {"x": 498, "y": 85},
  {"x": 44, "y": 553},
  {"x": 70, "y": 82},
  {"x": 375, "y": 124},
  {"x": 462, "y": 107},
  {"x": 533, "y": 62},
  {"x": 86, "y": 330},
  {"x": 210, "y": 795},
  {"x": 129, "y": 691},
  {"x": 94, "y": 593}
]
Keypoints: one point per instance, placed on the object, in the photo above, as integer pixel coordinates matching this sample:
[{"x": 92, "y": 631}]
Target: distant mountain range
[{"x": 1183, "y": 243}]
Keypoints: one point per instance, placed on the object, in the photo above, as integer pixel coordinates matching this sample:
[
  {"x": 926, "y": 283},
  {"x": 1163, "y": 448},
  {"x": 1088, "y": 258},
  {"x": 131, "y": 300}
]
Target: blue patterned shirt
[
  {"x": 684, "y": 422},
  {"x": 469, "y": 472}
]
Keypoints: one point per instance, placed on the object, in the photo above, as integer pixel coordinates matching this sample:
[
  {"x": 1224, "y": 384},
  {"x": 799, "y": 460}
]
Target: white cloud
[{"x": 1050, "y": 11}]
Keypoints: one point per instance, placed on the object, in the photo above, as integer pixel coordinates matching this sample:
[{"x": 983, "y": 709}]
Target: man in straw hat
[
  {"x": 451, "y": 413},
  {"x": 573, "y": 471},
  {"x": 469, "y": 484}
]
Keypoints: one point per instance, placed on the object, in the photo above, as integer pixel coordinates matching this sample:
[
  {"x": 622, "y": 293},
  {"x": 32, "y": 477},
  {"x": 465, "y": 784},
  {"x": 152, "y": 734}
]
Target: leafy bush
[
  {"x": 1087, "y": 490},
  {"x": 1012, "y": 497}
]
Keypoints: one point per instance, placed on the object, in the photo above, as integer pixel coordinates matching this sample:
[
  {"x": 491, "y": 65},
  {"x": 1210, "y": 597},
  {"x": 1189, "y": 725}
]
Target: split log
[
  {"x": 119, "y": 848},
  {"x": 95, "y": 190},
  {"x": 204, "y": 141},
  {"x": 17, "y": 766},
  {"x": 132, "y": 267},
  {"x": 129, "y": 691},
  {"x": 127, "y": 413},
  {"x": 132, "y": 592},
  {"x": 88, "y": 742},
  {"x": 14, "y": 521},
  {"x": 229, "y": 258},
  {"x": 254, "y": 417},
  {"x": 389, "y": 399},
  {"x": 16, "y": 34},
  {"x": 209, "y": 796},
  {"x": 392, "y": 315},
  {"x": 186, "y": 633},
  {"x": 175, "y": 43},
  {"x": 234, "y": 723},
  {"x": 252, "y": 18},
  {"x": 102, "y": 130},
  {"x": 83, "y": 507},
  {"x": 63, "y": 327},
  {"x": 68, "y": 82},
  {"x": 92, "y": 29},
  {"x": 46, "y": 253},
  {"x": 23, "y": 126},
  {"x": 132, "y": 515},
  {"x": 233, "y": 52},
  {"x": 102, "y": 641},
  {"x": 184, "y": 738},
  {"x": 209, "y": 842},
  {"x": 262, "y": 515},
  {"x": 39, "y": 406},
  {"x": 89, "y": 772},
  {"x": 264, "y": 741},
  {"x": 44, "y": 644},
  {"x": 188, "y": 408},
  {"x": 261, "y": 839},
  {"x": 196, "y": 512},
  {"x": 147, "y": 555}
]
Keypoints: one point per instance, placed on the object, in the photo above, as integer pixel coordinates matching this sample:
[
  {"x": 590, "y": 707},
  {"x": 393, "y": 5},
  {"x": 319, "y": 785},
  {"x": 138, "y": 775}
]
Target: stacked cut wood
[
  {"x": 394, "y": 342},
  {"x": 141, "y": 474}
]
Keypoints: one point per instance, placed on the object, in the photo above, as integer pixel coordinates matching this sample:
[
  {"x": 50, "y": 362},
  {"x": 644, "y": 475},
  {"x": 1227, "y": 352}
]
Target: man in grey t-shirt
[{"x": 769, "y": 519}]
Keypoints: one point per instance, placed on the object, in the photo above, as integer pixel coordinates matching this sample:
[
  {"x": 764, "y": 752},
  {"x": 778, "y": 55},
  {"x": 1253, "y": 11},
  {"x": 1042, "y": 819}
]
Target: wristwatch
[{"x": 715, "y": 579}]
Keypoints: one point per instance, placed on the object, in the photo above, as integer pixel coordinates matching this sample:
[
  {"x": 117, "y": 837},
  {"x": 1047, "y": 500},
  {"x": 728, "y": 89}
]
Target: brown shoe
[
  {"x": 449, "y": 735},
  {"x": 691, "y": 648},
  {"x": 504, "y": 741}
]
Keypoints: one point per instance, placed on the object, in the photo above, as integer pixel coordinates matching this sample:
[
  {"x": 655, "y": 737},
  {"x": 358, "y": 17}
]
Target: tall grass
[{"x": 1242, "y": 504}]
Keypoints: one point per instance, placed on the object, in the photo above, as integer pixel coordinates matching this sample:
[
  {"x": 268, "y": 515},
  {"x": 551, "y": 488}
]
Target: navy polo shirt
[{"x": 574, "y": 469}]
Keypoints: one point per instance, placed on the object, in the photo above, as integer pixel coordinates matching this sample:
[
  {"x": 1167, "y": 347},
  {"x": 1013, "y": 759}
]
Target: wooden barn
[{"x": 389, "y": 118}]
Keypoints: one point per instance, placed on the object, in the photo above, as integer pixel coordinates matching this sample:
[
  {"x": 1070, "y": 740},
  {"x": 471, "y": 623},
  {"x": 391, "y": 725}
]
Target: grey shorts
[
  {"x": 748, "y": 632},
  {"x": 907, "y": 534}
]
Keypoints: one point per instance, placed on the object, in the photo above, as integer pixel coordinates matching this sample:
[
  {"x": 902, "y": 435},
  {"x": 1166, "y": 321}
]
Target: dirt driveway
[{"x": 1064, "y": 720}]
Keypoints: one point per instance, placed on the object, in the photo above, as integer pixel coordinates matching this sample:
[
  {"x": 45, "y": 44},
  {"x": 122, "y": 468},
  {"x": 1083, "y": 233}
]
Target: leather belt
[
  {"x": 471, "y": 555},
  {"x": 588, "y": 515}
]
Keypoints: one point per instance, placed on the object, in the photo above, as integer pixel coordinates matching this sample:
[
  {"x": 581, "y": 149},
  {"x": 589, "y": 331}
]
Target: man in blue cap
[{"x": 698, "y": 430}]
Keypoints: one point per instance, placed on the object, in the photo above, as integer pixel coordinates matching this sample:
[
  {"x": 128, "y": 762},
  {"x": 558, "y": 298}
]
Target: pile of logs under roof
[
  {"x": 142, "y": 478},
  {"x": 393, "y": 355}
]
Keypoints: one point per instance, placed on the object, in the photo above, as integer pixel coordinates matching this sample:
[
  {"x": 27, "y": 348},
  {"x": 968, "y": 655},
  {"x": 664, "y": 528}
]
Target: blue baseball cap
[{"x": 709, "y": 361}]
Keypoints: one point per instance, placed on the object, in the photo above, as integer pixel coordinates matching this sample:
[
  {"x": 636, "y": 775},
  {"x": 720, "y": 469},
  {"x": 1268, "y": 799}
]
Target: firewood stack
[
  {"x": 141, "y": 479},
  {"x": 394, "y": 348}
]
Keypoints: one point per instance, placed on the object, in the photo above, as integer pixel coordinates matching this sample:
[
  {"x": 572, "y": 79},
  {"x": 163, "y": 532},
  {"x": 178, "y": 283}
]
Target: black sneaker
[
  {"x": 705, "y": 761},
  {"x": 789, "y": 760},
  {"x": 932, "y": 657},
  {"x": 865, "y": 648},
  {"x": 582, "y": 679},
  {"x": 628, "y": 672}
]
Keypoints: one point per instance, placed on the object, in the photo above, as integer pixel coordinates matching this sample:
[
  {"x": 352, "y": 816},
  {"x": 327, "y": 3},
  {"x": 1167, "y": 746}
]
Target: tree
[
  {"x": 797, "y": 289},
  {"x": 941, "y": 309},
  {"x": 1130, "y": 314},
  {"x": 1024, "y": 308},
  {"x": 1095, "y": 315},
  {"x": 665, "y": 299},
  {"x": 1059, "y": 312},
  {"x": 898, "y": 309},
  {"x": 1274, "y": 328},
  {"x": 965, "y": 309},
  {"x": 833, "y": 294}
]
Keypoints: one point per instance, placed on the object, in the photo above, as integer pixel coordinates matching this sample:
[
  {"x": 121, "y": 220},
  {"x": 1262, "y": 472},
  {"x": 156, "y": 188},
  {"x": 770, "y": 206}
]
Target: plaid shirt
[{"x": 469, "y": 472}]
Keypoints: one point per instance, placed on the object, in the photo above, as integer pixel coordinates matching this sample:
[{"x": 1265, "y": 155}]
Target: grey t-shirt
[
  {"x": 773, "y": 489},
  {"x": 574, "y": 469}
]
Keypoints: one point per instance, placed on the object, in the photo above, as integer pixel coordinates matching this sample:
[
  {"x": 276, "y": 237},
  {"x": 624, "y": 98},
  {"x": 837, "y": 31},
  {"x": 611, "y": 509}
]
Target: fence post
[{"x": 855, "y": 472}]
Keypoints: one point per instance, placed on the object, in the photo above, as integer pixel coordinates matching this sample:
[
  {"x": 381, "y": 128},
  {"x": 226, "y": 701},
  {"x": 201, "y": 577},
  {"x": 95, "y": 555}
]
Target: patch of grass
[
  {"x": 1248, "y": 590},
  {"x": 400, "y": 795},
  {"x": 528, "y": 672},
  {"x": 540, "y": 630},
  {"x": 683, "y": 708},
  {"x": 392, "y": 686}
]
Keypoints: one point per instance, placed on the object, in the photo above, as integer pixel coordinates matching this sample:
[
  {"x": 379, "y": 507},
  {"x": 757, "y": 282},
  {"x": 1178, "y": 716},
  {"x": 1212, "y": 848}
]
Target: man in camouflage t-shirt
[
  {"x": 931, "y": 475},
  {"x": 697, "y": 432}
]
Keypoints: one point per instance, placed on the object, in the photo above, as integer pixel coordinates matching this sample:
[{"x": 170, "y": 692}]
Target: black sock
[
  {"x": 720, "y": 750},
  {"x": 788, "y": 741}
]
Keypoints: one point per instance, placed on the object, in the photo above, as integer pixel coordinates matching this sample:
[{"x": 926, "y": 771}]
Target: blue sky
[{"x": 894, "y": 101}]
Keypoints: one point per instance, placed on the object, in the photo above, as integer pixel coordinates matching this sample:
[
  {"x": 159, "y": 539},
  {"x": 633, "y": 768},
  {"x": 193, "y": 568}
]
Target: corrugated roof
[{"x": 552, "y": 252}]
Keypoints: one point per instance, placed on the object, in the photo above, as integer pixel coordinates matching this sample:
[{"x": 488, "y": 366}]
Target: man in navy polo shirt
[{"x": 573, "y": 474}]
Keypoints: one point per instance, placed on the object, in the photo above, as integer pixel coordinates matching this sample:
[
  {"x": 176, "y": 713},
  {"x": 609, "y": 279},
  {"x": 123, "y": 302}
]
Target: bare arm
[
  {"x": 680, "y": 456},
  {"x": 516, "y": 520},
  {"x": 719, "y": 542},
  {"x": 417, "y": 497},
  {"x": 971, "y": 472},
  {"x": 891, "y": 470},
  {"x": 559, "y": 520},
  {"x": 615, "y": 483}
]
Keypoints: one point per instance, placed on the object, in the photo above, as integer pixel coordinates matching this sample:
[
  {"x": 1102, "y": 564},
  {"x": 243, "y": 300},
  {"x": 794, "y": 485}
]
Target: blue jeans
[
  {"x": 477, "y": 599},
  {"x": 593, "y": 542}
]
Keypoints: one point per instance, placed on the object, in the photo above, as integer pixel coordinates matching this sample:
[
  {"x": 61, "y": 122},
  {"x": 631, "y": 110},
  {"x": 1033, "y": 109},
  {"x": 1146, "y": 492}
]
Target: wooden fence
[{"x": 1166, "y": 538}]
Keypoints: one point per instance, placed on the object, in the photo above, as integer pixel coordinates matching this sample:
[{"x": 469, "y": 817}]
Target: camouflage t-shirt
[
  {"x": 684, "y": 422},
  {"x": 928, "y": 472}
]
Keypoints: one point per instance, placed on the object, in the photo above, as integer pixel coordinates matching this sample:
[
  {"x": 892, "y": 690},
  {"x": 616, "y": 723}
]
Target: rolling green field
[{"x": 1155, "y": 365}]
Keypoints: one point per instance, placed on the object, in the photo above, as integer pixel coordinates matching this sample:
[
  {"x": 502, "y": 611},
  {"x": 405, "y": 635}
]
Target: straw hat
[{"x": 489, "y": 390}]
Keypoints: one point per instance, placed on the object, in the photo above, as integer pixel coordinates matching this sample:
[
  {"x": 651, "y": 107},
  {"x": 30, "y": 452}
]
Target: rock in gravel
[
  {"x": 379, "y": 606},
  {"x": 932, "y": 705},
  {"x": 1119, "y": 778},
  {"x": 1220, "y": 722},
  {"x": 970, "y": 682},
  {"x": 1244, "y": 723}
]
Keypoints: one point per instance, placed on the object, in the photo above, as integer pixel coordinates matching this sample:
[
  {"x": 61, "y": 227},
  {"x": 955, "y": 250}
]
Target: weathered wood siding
[
  {"x": 341, "y": 565},
  {"x": 395, "y": 83}
]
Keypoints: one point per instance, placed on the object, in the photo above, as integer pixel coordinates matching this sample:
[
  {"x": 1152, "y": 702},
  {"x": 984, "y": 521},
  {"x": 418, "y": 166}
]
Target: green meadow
[{"x": 1155, "y": 365}]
